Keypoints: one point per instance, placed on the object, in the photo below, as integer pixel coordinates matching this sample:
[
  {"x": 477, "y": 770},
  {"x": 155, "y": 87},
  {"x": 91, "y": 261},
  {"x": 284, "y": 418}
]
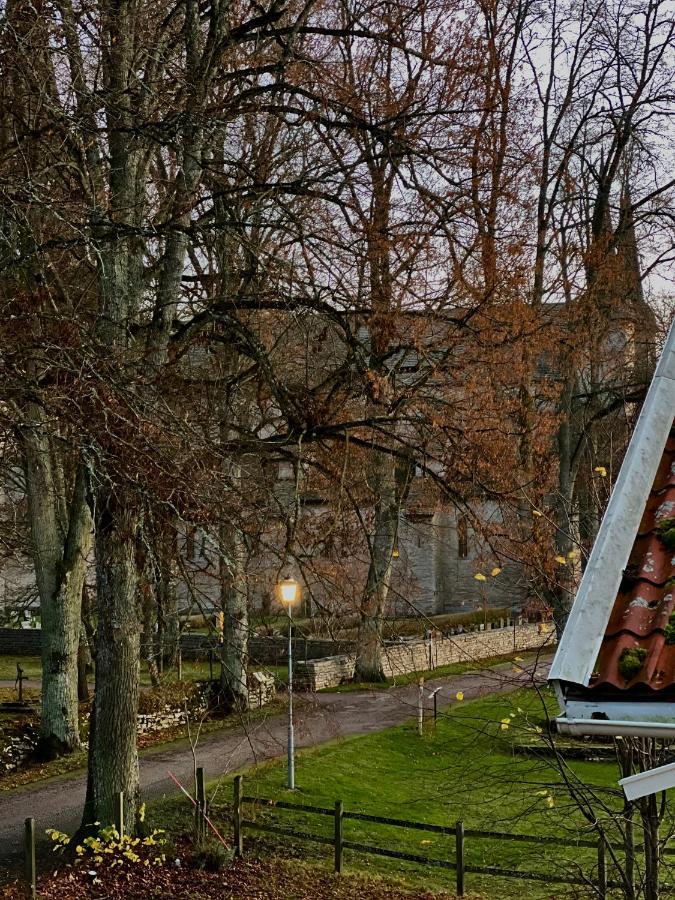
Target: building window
[{"x": 462, "y": 537}]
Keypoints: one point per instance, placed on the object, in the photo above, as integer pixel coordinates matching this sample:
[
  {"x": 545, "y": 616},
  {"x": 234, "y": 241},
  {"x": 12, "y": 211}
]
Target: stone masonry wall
[
  {"x": 422, "y": 655},
  {"x": 20, "y": 641},
  {"x": 262, "y": 650},
  {"x": 269, "y": 651}
]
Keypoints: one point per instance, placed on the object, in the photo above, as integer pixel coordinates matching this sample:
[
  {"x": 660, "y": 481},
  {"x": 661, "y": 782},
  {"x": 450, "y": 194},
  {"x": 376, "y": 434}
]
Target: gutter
[{"x": 615, "y": 728}]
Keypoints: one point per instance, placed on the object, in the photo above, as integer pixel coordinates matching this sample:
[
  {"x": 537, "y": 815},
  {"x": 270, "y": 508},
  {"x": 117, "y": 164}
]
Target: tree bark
[
  {"x": 113, "y": 758},
  {"x": 168, "y": 630},
  {"x": 563, "y": 589},
  {"x": 83, "y": 662},
  {"x": 234, "y": 602},
  {"x": 650, "y": 823},
  {"x": 369, "y": 655},
  {"x": 60, "y": 551}
]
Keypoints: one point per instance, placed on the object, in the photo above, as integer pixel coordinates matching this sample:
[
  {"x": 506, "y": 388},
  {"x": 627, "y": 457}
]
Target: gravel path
[{"x": 57, "y": 803}]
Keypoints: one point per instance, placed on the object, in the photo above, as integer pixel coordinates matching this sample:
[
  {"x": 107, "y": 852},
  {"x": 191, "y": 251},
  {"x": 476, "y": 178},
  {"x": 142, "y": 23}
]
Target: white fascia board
[
  {"x": 580, "y": 642},
  {"x": 650, "y": 782},
  {"x": 654, "y": 711}
]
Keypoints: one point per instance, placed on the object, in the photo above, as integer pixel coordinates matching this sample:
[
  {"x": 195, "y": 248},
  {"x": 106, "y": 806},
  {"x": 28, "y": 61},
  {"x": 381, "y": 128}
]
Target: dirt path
[{"x": 319, "y": 718}]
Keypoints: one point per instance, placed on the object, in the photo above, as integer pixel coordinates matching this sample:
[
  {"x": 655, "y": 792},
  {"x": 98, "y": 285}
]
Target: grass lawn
[
  {"x": 466, "y": 770},
  {"x": 31, "y": 665}
]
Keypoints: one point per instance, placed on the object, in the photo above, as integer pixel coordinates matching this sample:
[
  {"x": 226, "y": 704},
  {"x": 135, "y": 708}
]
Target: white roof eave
[{"x": 581, "y": 639}]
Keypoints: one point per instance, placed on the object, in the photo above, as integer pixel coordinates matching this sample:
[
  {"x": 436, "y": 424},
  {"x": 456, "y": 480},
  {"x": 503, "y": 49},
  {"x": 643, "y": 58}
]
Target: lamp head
[{"x": 288, "y": 591}]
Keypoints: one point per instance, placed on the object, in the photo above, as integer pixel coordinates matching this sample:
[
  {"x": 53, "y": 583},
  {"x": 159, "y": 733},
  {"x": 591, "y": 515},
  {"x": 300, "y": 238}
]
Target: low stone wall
[
  {"x": 20, "y": 641},
  {"x": 268, "y": 651},
  {"x": 430, "y": 653},
  {"x": 274, "y": 650},
  {"x": 315, "y": 674}
]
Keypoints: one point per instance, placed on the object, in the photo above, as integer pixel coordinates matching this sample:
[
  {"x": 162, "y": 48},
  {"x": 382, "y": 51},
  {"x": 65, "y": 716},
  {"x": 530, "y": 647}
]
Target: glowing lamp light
[{"x": 288, "y": 591}]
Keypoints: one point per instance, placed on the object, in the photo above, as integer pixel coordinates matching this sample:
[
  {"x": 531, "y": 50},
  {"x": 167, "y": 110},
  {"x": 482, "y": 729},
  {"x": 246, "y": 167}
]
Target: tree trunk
[
  {"x": 624, "y": 752},
  {"x": 649, "y": 758},
  {"x": 652, "y": 849},
  {"x": 113, "y": 757},
  {"x": 234, "y": 602},
  {"x": 83, "y": 663},
  {"x": 369, "y": 662},
  {"x": 60, "y": 552},
  {"x": 149, "y": 650},
  {"x": 167, "y": 599},
  {"x": 563, "y": 590}
]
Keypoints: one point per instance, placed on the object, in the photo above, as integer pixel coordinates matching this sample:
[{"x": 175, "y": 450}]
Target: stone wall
[
  {"x": 422, "y": 655},
  {"x": 268, "y": 651},
  {"x": 20, "y": 641}
]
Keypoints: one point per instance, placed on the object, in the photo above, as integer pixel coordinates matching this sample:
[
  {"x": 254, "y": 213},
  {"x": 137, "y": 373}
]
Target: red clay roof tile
[{"x": 646, "y": 599}]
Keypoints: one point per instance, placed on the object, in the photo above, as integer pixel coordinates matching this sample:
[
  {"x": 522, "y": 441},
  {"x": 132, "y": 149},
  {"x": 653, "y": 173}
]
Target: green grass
[
  {"x": 466, "y": 770},
  {"x": 31, "y": 665}
]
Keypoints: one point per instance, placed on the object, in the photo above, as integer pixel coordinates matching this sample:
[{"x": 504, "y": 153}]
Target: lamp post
[{"x": 289, "y": 594}]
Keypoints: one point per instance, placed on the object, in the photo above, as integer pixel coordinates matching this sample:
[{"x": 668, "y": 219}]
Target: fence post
[
  {"x": 179, "y": 664},
  {"x": 200, "y": 809},
  {"x": 602, "y": 868},
  {"x": 29, "y": 854},
  {"x": 119, "y": 812},
  {"x": 420, "y": 708},
  {"x": 236, "y": 811},
  {"x": 459, "y": 854},
  {"x": 338, "y": 837}
]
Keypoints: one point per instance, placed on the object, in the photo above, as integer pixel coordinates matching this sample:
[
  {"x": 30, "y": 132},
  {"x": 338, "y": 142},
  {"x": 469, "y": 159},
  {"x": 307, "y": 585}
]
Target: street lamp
[{"x": 288, "y": 591}]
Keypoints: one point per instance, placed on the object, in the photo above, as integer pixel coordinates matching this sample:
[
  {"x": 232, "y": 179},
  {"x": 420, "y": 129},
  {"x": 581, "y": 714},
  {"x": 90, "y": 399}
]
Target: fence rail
[{"x": 459, "y": 865}]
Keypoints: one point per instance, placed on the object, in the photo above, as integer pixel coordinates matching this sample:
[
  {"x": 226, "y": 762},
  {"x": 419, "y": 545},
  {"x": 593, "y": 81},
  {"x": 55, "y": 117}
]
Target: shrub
[
  {"x": 111, "y": 849},
  {"x": 211, "y": 858}
]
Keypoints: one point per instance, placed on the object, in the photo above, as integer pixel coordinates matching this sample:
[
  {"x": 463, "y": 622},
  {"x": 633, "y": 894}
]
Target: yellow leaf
[
  {"x": 505, "y": 724},
  {"x": 573, "y": 554},
  {"x": 480, "y": 577},
  {"x": 561, "y": 560},
  {"x": 459, "y": 695},
  {"x": 495, "y": 571},
  {"x": 601, "y": 470},
  {"x": 425, "y": 842},
  {"x": 517, "y": 658},
  {"x": 550, "y": 802},
  {"x": 535, "y": 512}
]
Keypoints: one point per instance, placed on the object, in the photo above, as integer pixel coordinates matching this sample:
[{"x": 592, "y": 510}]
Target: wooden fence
[
  {"x": 459, "y": 865},
  {"x": 600, "y": 883}
]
